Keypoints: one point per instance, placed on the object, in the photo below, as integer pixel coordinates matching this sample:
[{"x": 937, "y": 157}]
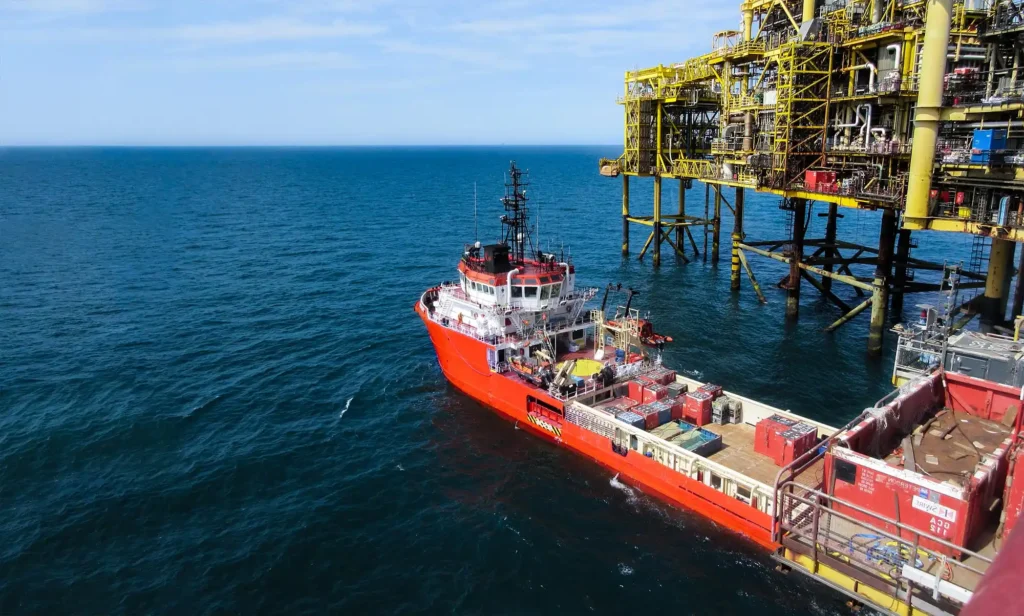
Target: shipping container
[{"x": 698, "y": 407}]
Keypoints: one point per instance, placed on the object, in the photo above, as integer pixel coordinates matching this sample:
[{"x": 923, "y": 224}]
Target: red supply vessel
[{"x": 891, "y": 509}]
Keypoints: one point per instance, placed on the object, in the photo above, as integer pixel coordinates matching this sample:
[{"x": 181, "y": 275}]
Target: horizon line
[{"x": 299, "y": 145}]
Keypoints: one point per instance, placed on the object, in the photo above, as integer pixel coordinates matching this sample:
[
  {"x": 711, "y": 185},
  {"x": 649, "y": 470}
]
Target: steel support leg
[
  {"x": 716, "y": 226},
  {"x": 883, "y": 274},
  {"x": 793, "y": 298},
  {"x": 997, "y": 284},
  {"x": 830, "y": 240},
  {"x": 737, "y": 237},
  {"x": 625, "y": 215},
  {"x": 900, "y": 279},
  {"x": 657, "y": 221}
]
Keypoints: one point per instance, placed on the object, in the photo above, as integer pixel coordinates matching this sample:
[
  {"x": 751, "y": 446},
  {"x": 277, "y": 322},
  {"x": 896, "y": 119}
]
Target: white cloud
[
  {"x": 263, "y": 30},
  {"x": 646, "y": 25},
  {"x": 71, "y": 7},
  {"x": 292, "y": 60},
  {"x": 225, "y": 33},
  {"x": 462, "y": 55}
]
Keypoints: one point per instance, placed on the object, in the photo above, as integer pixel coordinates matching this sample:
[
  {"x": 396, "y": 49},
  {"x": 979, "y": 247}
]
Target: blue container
[
  {"x": 986, "y": 143},
  {"x": 632, "y": 419},
  {"x": 664, "y": 416}
]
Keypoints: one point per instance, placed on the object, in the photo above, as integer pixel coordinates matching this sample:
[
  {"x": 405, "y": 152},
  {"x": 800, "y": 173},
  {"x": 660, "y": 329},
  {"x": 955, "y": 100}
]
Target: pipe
[
  {"x": 929, "y": 108},
  {"x": 876, "y": 11},
  {"x": 726, "y": 134},
  {"x": 748, "y": 132},
  {"x": 871, "y": 75},
  {"x": 748, "y": 22},
  {"x": 898, "y": 49},
  {"x": 865, "y": 131},
  {"x": 856, "y": 123},
  {"x": 508, "y": 285},
  {"x": 808, "y": 10}
]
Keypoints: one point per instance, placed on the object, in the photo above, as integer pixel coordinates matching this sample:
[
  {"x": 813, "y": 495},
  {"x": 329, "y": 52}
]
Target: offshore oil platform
[{"x": 910, "y": 108}]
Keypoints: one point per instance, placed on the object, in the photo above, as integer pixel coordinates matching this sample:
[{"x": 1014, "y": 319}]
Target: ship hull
[{"x": 463, "y": 361}]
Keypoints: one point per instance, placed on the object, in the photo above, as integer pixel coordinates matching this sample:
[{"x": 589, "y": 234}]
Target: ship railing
[
  {"x": 917, "y": 356},
  {"x": 455, "y": 291},
  {"x": 840, "y": 534},
  {"x": 625, "y": 372},
  {"x": 589, "y": 387},
  {"x": 628, "y": 440},
  {"x": 473, "y": 332},
  {"x": 505, "y": 339}
]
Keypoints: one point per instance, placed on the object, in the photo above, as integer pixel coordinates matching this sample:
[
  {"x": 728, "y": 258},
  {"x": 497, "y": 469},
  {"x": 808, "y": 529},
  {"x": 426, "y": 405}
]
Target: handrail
[
  {"x": 919, "y": 534},
  {"x": 811, "y": 456},
  {"x": 645, "y": 438},
  {"x": 499, "y": 339}
]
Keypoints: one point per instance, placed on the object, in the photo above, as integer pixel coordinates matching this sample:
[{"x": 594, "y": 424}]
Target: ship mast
[{"x": 516, "y": 219}]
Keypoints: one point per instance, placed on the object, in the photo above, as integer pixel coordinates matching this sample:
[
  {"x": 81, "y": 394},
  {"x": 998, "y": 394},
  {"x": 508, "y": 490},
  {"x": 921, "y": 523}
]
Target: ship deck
[
  {"x": 954, "y": 445},
  {"x": 737, "y": 453}
]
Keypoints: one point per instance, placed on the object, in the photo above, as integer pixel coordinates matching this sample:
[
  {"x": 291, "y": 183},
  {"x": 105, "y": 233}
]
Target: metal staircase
[{"x": 801, "y": 110}]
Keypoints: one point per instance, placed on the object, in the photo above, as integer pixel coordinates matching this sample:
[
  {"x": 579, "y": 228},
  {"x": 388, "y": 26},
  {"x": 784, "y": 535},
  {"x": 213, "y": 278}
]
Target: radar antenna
[{"x": 516, "y": 218}]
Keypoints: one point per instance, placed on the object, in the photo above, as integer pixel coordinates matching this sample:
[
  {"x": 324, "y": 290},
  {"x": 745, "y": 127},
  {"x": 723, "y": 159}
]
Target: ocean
[{"x": 215, "y": 397}]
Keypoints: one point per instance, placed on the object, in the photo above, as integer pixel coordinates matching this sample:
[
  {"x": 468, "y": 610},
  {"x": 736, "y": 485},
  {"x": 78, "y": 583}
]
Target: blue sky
[{"x": 176, "y": 72}]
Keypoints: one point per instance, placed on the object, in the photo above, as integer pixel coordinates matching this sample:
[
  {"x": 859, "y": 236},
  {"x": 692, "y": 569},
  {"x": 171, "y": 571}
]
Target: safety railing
[
  {"x": 877, "y": 148},
  {"x": 828, "y": 528},
  {"x": 916, "y": 357},
  {"x": 626, "y": 439},
  {"x": 625, "y": 372},
  {"x": 589, "y": 387}
]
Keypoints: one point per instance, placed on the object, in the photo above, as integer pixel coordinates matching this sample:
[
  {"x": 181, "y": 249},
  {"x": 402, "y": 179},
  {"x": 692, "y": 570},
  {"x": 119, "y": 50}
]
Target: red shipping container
[
  {"x": 811, "y": 180},
  {"x": 636, "y": 390},
  {"x": 654, "y": 392},
  {"x": 796, "y": 441},
  {"x": 767, "y": 436},
  {"x": 698, "y": 408},
  {"x": 814, "y": 179},
  {"x": 1013, "y": 496},
  {"x": 664, "y": 376},
  {"x": 678, "y": 408},
  {"x": 713, "y": 390}
]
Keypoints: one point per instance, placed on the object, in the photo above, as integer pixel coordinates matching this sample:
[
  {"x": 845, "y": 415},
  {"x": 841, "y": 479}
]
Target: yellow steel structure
[
  {"x": 863, "y": 104},
  {"x": 929, "y": 109}
]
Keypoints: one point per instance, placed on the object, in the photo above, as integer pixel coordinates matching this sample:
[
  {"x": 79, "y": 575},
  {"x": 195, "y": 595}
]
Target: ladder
[{"x": 980, "y": 246}]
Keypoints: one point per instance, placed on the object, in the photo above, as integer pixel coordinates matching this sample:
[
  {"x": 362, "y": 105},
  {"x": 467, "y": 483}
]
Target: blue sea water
[{"x": 215, "y": 397}]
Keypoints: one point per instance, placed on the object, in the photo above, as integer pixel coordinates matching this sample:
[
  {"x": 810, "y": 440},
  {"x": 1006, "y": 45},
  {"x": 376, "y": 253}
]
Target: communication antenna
[
  {"x": 538, "y": 227},
  {"x": 475, "y": 235}
]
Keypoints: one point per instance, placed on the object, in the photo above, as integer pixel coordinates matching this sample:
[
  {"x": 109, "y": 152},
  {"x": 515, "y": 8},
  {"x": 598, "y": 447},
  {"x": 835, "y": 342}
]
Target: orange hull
[{"x": 464, "y": 362}]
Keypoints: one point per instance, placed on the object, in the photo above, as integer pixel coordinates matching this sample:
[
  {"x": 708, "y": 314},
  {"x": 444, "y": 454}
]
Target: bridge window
[
  {"x": 545, "y": 292},
  {"x": 716, "y": 481},
  {"x": 517, "y": 292},
  {"x": 556, "y": 290},
  {"x": 530, "y": 291}
]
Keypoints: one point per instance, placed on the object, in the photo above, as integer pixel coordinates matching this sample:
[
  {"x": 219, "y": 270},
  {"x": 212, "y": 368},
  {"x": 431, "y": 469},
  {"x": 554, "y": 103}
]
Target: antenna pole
[{"x": 476, "y": 236}]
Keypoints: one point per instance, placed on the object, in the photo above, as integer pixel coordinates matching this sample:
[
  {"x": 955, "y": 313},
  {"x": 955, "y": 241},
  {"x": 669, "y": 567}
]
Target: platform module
[{"x": 912, "y": 109}]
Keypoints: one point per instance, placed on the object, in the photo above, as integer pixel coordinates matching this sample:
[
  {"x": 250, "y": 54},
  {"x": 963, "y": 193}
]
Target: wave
[{"x": 630, "y": 493}]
